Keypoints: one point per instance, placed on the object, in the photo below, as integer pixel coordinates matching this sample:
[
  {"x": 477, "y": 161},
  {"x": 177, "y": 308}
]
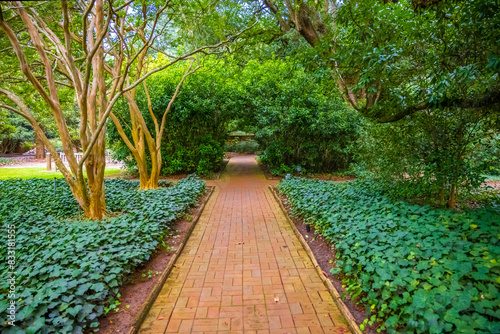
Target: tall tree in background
[
  {"x": 437, "y": 65},
  {"x": 427, "y": 59},
  {"x": 311, "y": 20}
]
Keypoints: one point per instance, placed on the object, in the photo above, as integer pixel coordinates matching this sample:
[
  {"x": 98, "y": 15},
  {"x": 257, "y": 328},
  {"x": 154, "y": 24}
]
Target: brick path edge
[
  {"x": 144, "y": 310},
  {"x": 335, "y": 294}
]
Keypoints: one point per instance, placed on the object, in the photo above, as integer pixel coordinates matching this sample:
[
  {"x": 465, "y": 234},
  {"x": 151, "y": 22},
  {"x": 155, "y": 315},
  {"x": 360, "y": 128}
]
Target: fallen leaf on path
[
  {"x": 276, "y": 299},
  {"x": 161, "y": 318}
]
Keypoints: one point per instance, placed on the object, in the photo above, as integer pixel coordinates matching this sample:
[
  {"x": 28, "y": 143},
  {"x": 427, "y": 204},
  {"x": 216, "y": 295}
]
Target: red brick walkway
[{"x": 243, "y": 270}]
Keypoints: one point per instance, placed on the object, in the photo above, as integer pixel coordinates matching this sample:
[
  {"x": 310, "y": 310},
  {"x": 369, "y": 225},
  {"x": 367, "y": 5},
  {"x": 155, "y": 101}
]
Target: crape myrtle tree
[
  {"x": 208, "y": 28},
  {"x": 82, "y": 68},
  {"x": 95, "y": 48},
  {"x": 144, "y": 143},
  {"x": 195, "y": 127},
  {"x": 142, "y": 140},
  {"x": 74, "y": 53}
]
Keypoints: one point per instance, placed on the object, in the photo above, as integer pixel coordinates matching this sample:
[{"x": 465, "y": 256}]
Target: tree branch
[
  {"x": 26, "y": 113},
  {"x": 162, "y": 127}
]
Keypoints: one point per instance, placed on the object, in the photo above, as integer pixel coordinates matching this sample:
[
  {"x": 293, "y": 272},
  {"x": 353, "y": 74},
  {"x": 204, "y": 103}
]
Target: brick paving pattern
[{"x": 243, "y": 270}]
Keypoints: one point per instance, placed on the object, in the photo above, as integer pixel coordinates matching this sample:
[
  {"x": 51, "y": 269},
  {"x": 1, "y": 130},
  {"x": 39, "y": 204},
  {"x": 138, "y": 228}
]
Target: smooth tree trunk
[
  {"x": 452, "y": 200},
  {"x": 143, "y": 140},
  {"x": 104, "y": 33},
  {"x": 39, "y": 147}
]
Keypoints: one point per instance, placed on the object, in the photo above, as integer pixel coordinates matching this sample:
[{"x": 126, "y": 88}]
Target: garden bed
[
  {"x": 316, "y": 176},
  {"x": 70, "y": 269},
  {"x": 139, "y": 286},
  {"x": 414, "y": 268},
  {"x": 324, "y": 252}
]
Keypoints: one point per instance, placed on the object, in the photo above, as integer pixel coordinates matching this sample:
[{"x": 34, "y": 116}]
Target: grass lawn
[{"x": 40, "y": 173}]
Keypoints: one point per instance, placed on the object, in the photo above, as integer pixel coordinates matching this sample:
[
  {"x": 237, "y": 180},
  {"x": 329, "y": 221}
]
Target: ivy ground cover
[
  {"x": 68, "y": 269},
  {"x": 417, "y": 269}
]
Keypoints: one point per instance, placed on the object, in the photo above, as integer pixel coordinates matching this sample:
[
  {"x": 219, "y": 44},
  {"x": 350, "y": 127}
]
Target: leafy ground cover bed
[
  {"x": 69, "y": 270},
  {"x": 415, "y": 268},
  {"x": 325, "y": 256},
  {"x": 136, "y": 291}
]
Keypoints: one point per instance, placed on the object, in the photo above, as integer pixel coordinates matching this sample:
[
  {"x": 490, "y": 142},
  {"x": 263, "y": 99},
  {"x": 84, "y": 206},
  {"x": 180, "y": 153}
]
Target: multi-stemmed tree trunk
[
  {"x": 94, "y": 59},
  {"x": 142, "y": 137},
  {"x": 86, "y": 71},
  {"x": 50, "y": 49},
  {"x": 91, "y": 96},
  {"x": 144, "y": 141}
]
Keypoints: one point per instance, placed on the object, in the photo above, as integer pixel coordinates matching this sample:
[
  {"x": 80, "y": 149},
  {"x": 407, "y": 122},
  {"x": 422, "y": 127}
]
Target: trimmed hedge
[
  {"x": 418, "y": 269},
  {"x": 69, "y": 270}
]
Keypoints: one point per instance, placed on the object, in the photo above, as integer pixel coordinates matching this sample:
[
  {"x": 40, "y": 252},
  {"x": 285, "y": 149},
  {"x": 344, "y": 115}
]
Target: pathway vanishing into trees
[{"x": 243, "y": 270}]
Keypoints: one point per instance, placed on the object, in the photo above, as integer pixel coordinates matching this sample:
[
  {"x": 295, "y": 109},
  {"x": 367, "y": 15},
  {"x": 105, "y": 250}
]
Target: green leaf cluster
[
  {"x": 69, "y": 269},
  {"x": 195, "y": 127},
  {"x": 298, "y": 116},
  {"x": 419, "y": 269}
]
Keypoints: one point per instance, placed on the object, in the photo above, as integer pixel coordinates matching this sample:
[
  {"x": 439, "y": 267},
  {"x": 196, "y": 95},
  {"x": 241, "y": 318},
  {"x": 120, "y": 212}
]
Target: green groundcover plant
[
  {"x": 417, "y": 269},
  {"x": 69, "y": 270}
]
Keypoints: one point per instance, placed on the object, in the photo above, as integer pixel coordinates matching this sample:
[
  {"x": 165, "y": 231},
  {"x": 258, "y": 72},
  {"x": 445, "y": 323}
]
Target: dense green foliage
[
  {"x": 419, "y": 269},
  {"x": 39, "y": 172},
  {"x": 436, "y": 72},
  {"x": 13, "y": 131},
  {"x": 195, "y": 128},
  {"x": 69, "y": 269},
  {"x": 428, "y": 156},
  {"x": 298, "y": 116},
  {"x": 489, "y": 149}
]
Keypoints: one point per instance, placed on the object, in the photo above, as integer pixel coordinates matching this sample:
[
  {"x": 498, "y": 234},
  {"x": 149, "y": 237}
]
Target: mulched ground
[
  {"x": 324, "y": 252},
  {"x": 135, "y": 292}
]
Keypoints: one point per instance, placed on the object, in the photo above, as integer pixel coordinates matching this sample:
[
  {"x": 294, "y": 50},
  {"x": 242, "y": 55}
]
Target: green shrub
[
  {"x": 203, "y": 155},
  {"x": 28, "y": 146},
  {"x": 489, "y": 150},
  {"x": 57, "y": 143},
  {"x": 418, "y": 269},
  {"x": 69, "y": 270},
  {"x": 438, "y": 157},
  {"x": 8, "y": 161},
  {"x": 195, "y": 127},
  {"x": 299, "y": 117}
]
